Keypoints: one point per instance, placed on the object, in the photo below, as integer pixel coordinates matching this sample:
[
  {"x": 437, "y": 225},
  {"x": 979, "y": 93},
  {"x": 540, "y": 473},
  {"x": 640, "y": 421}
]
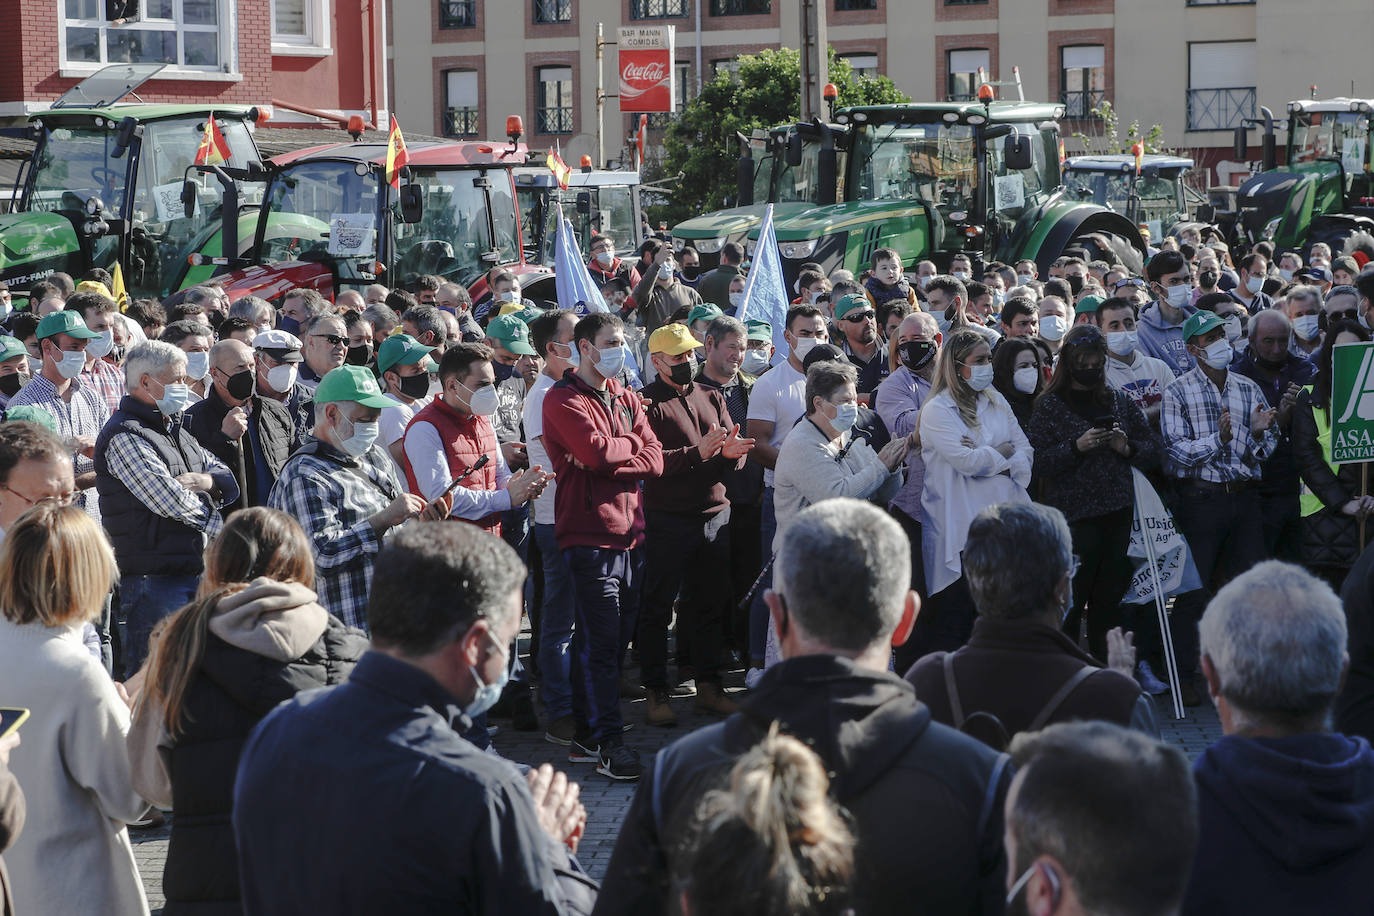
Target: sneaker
[
  {"x": 584, "y": 750},
  {"x": 712, "y": 699},
  {"x": 629, "y": 690},
  {"x": 154, "y": 819},
  {"x": 1148, "y": 682},
  {"x": 561, "y": 731},
  {"x": 1189, "y": 691},
  {"x": 752, "y": 677},
  {"x": 688, "y": 688},
  {"x": 618, "y": 762},
  {"x": 657, "y": 711}
]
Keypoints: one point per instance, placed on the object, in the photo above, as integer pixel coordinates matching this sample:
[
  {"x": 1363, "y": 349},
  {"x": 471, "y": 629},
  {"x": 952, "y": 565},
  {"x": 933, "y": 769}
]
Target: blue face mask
[
  {"x": 846, "y": 415},
  {"x": 487, "y": 694},
  {"x": 176, "y": 397},
  {"x": 289, "y": 325},
  {"x": 610, "y": 361}
]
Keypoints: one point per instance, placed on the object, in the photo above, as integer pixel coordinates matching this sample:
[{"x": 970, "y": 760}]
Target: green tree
[
  {"x": 765, "y": 92},
  {"x": 1110, "y": 141}
]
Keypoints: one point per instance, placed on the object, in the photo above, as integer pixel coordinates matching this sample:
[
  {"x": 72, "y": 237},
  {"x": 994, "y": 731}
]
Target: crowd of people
[{"x": 265, "y": 567}]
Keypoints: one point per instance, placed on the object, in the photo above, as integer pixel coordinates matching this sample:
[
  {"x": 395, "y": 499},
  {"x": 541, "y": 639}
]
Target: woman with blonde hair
[
  {"x": 772, "y": 843},
  {"x": 253, "y": 637},
  {"x": 976, "y": 456},
  {"x": 56, "y": 567}
]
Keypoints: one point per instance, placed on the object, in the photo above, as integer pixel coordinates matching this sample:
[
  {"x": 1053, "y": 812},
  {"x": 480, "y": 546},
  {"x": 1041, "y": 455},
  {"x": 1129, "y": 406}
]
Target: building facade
[{"x": 1195, "y": 67}]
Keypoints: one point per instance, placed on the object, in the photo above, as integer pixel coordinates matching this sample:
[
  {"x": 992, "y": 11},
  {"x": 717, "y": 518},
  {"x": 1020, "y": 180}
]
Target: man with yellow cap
[{"x": 686, "y": 517}]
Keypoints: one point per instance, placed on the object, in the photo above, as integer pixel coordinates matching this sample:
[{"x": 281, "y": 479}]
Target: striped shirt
[
  {"x": 83, "y": 415},
  {"x": 134, "y": 462},
  {"x": 1192, "y": 442}
]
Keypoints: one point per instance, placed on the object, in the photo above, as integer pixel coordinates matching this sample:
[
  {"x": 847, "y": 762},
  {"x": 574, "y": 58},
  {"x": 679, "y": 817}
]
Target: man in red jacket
[{"x": 601, "y": 447}]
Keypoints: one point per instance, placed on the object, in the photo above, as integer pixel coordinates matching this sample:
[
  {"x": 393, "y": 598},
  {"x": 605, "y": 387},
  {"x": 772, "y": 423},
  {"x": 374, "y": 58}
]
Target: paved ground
[{"x": 607, "y": 802}]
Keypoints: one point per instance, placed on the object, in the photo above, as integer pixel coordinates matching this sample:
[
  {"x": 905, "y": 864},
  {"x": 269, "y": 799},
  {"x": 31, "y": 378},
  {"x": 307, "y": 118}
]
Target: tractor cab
[
  {"x": 1156, "y": 196},
  {"x": 601, "y": 201}
]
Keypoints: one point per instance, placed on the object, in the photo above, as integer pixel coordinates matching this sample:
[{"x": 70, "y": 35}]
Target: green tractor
[
  {"x": 1155, "y": 197},
  {"x": 104, "y": 186},
  {"x": 1324, "y": 193},
  {"x": 932, "y": 180},
  {"x": 794, "y": 167}
]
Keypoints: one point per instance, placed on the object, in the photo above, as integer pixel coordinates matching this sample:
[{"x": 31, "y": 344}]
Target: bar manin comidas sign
[{"x": 646, "y": 68}]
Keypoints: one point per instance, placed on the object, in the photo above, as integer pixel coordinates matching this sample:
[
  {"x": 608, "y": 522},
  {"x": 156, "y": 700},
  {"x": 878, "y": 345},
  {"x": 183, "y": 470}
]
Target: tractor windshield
[
  {"x": 764, "y": 162},
  {"x": 930, "y": 162},
  {"x": 453, "y": 238},
  {"x": 72, "y": 165},
  {"x": 1013, "y": 191},
  {"x": 1330, "y": 134},
  {"x": 323, "y": 210},
  {"x": 797, "y": 184}
]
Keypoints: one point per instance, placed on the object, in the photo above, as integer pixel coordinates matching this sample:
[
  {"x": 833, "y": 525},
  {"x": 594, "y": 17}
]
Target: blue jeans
[
  {"x": 146, "y": 600},
  {"x": 758, "y": 611},
  {"x": 555, "y": 625},
  {"x": 607, "y": 584}
]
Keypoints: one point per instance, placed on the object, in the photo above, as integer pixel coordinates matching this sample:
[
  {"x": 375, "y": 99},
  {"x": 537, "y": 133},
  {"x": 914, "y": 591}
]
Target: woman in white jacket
[
  {"x": 976, "y": 456},
  {"x": 74, "y": 855},
  {"x": 821, "y": 458}
]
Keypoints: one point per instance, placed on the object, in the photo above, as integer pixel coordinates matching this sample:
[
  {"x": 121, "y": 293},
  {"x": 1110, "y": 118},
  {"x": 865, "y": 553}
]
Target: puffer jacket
[
  {"x": 266, "y": 644},
  {"x": 1330, "y": 538}
]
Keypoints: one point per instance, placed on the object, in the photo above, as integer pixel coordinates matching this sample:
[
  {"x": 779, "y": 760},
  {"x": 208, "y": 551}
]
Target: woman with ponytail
[
  {"x": 253, "y": 637},
  {"x": 771, "y": 844}
]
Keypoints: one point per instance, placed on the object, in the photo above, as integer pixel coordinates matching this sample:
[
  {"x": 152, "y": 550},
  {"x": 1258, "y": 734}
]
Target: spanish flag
[
  {"x": 397, "y": 156},
  {"x": 213, "y": 149},
  {"x": 120, "y": 291},
  {"x": 1138, "y": 150},
  {"x": 1062, "y": 154},
  {"x": 559, "y": 168}
]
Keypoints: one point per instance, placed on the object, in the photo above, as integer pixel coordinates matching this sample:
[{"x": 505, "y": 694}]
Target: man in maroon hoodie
[
  {"x": 601, "y": 447},
  {"x": 605, "y": 266}
]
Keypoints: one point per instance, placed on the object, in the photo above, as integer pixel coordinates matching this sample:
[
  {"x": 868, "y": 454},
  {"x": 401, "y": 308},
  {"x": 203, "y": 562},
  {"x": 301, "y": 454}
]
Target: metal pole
[
  {"x": 698, "y": 28},
  {"x": 600, "y": 102}
]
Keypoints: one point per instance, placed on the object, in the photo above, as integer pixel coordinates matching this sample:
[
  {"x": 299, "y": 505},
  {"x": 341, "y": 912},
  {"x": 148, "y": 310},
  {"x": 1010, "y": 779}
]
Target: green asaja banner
[{"x": 1352, "y": 403}]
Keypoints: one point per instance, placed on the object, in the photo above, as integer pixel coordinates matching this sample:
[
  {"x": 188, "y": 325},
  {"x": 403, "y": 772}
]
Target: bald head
[
  {"x": 1270, "y": 320},
  {"x": 229, "y": 359},
  {"x": 350, "y": 300},
  {"x": 918, "y": 326}
]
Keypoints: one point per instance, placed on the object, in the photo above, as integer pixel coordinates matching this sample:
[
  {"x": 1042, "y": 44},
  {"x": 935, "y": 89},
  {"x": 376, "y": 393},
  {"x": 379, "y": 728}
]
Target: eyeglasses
[
  {"x": 62, "y": 499},
  {"x": 856, "y": 317},
  {"x": 1129, "y": 281},
  {"x": 334, "y": 339},
  {"x": 1346, "y": 315}
]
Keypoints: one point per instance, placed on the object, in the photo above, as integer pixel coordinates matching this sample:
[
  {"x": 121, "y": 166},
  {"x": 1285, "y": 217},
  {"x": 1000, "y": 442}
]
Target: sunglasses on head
[{"x": 1129, "y": 281}]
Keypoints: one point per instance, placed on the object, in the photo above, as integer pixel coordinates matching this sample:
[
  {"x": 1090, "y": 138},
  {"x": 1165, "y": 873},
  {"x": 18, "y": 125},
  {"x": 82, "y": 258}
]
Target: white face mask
[
  {"x": 963, "y": 275},
  {"x": 71, "y": 363},
  {"x": 1024, "y": 379},
  {"x": 36, "y": 365},
  {"x": 1123, "y": 343},
  {"x": 364, "y": 435},
  {"x": 197, "y": 365},
  {"x": 1218, "y": 354},
  {"x": 610, "y": 361},
  {"x": 1179, "y": 296},
  {"x": 737, "y": 299},
  {"x": 605, "y": 258},
  {"x": 665, "y": 270},
  {"x": 102, "y": 345},
  {"x": 924, "y": 281},
  {"x": 1285, "y": 274},
  {"x": 1052, "y": 327},
  {"x": 1254, "y": 284},
  {"x": 1307, "y": 327},
  {"x": 803, "y": 346},
  {"x": 980, "y": 377},
  {"x": 282, "y": 378},
  {"x": 755, "y": 361},
  {"x": 1023, "y": 279},
  {"x": 1233, "y": 327},
  {"x": 482, "y": 401}
]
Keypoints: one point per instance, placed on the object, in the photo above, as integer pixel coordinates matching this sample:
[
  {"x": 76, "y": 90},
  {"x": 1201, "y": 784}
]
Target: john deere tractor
[
  {"x": 935, "y": 179},
  {"x": 1324, "y": 192},
  {"x": 105, "y": 181}
]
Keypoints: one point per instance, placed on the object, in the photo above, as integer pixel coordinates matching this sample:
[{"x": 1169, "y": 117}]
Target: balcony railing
[
  {"x": 1081, "y": 103},
  {"x": 457, "y": 14},
  {"x": 1221, "y": 2},
  {"x": 657, "y": 9},
  {"x": 740, "y": 7},
  {"x": 553, "y": 10},
  {"x": 1220, "y": 109},
  {"x": 842, "y": 6},
  {"x": 553, "y": 120},
  {"x": 462, "y": 122}
]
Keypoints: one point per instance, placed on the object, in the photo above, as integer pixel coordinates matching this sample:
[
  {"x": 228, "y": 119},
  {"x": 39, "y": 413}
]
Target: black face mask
[
  {"x": 502, "y": 371},
  {"x": 916, "y": 354},
  {"x": 240, "y": 385},
  {"x": 681, "y": 373},
  {"x": 359, "y": 356},
  {"x": 10, "y": 384},
  {"x": 1208, "y": 278},
  {"x": 415, "y": 386},
  {"x": 1075, "y": 283},
  {"x": 1089, "y": 376}
]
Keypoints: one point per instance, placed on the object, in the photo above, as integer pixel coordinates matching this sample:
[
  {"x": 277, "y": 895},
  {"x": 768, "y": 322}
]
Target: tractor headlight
[{"x": 798, "y": 250}]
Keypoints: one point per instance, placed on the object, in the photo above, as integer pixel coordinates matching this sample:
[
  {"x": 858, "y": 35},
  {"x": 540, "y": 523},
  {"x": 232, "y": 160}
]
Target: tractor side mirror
[
  {"x": 1205, "y": 213},
  {"x": 584, "y": 202},
  {"x": 412, "y": 203},
  {"x": 744, "y": 181},
  {"x": 188, "y": 197},
  {"x": 1240, "y": 144},
  {"x": 794, "y": 149},
  {"x": 124, "y": 135},
  {"x": 1016, "y": 152}
]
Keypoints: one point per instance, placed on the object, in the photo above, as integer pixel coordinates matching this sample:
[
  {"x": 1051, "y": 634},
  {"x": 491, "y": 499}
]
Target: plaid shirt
[
  {"x": 333, "y": 496},
  {"x": 134, "y": 462},
  {"x": 84, "y": 415},
  {"x": 1189, "y": 421},
  {"x": 106, "y": 380}
]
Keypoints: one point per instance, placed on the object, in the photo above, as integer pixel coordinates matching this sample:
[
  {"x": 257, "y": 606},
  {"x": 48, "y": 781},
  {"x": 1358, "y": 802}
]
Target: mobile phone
[
  {"x": 1106, "y": 421},
  {"x": 11, "y": 717}
]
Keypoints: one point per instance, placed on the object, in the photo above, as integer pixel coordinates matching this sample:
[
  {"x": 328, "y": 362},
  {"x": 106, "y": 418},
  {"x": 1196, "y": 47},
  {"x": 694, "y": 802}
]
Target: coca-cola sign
[{"x": 646, "y": 68}]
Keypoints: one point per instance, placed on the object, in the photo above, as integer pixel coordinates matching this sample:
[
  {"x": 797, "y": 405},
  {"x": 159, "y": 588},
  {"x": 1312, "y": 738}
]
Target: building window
[
  {"x": 457, "y": 14},
  {"x": 183, "y": 33},
  {"x": 461, "y": 118},
  {"x": 964, "y": 2},
  {"x": 1221, "y": 2},
  {"x": 682, "y": 77},
  {"x": 962, "y": 67},
  {"x": 842, "y": 6},
  {"x": 1082, "y": 79},
  {"x": 553, "y": 10},
  {"x": 1221, "y": 84},
  {"x": 728, "y": 65},
  {"x": 657, "y": 9},
  {"x": 740, "y": 7},
  {"x": 554, "y": 113},
  {"x": 862, "y": 64},
  {"x": 300, "y": 24}
]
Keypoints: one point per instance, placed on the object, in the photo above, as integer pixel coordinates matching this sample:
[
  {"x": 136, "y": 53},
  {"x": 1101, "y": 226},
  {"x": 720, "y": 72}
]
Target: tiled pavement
[{"x": 607, "y": 802}]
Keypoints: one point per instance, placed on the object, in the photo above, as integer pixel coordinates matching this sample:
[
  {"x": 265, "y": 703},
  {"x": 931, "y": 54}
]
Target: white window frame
[
  {"x": 226, "y": 29},
  {"x": 862, "y": 56},
  {"x": 315, "y": 41}
]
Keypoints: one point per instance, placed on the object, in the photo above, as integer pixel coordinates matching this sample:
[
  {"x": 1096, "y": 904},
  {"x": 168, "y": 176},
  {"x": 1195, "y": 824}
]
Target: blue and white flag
[
  {"x": 1174, "y": 568},
  {"x": 576, "y": 290},
  {"x": 765, "y": 290}
]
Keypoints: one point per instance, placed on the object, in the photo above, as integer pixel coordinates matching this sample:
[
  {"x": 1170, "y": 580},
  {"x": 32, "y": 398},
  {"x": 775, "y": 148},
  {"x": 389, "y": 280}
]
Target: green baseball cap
[
  {"x": 529, "y": 313},
  {"x": 400, "y": 350},
  {"x": 1200, "y": 322},
  {"x": 31, "y": 414},
  {"x": 351, "y": 383},
  {"x": 758, "y": 330},
  {"x": 851, "y": 302},
  {"x": 1088, "y": 305},
  {"x": 10, "y": 347},
  {"x": 704, "y": 312},
  {"x": 512, "y": 333},
  {"x": 64, "y": 322}
]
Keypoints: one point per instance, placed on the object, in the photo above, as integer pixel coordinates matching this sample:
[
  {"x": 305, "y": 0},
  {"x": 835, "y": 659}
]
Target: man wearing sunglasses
[
  {"x": 857, "y": 322},
  {"x": 1342, "y": 304},
  {"x": 326, "y": 348}
]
